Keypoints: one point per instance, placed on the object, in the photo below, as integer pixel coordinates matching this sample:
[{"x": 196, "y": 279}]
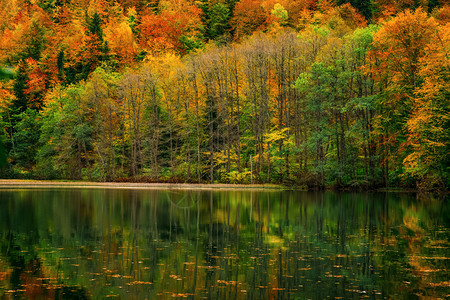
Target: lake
[{"x": 96, "y": 243}]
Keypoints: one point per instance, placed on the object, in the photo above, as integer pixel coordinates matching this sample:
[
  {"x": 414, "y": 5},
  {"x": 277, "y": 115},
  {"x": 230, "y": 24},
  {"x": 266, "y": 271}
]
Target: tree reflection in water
[{"x": 135, "y": 244}]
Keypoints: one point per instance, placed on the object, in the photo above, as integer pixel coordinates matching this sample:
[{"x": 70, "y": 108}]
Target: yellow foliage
[
  {"x": 121, "y": 41},
  {"x": 276, "y": 135},
  {"x": 6, "y": 95}
]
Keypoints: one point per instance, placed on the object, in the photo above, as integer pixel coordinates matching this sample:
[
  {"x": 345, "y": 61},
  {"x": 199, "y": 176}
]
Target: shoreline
[
  {"x": 24, "y": 183},
  {"x": 31, "y": 183}
]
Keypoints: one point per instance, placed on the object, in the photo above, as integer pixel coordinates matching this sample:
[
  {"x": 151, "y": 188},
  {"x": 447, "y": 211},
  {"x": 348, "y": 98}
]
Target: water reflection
[{"x": 136, "y": 244}]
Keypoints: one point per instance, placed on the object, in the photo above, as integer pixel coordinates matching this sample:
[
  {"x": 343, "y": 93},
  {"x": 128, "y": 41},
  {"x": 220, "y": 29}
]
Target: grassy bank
[{"x": 133, "y": 185}]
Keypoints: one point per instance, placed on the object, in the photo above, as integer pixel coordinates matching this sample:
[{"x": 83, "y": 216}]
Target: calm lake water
[{"x": 161, "y": 244}]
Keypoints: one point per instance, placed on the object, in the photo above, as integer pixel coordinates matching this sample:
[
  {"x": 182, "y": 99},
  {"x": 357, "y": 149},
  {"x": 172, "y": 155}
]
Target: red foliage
[{"x": 159, "y": 32}]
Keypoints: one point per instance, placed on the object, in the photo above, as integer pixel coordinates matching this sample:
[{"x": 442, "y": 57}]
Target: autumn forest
[{"x": 305, "y": 93}]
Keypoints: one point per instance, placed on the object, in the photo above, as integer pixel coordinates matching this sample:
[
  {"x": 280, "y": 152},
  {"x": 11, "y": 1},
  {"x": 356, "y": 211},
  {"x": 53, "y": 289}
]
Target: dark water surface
[{"x": 160, "y": 244}]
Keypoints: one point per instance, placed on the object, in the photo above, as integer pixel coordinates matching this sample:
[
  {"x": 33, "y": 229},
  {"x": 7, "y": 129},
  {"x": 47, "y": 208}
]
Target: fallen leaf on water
[{"x": 139, "y": 282}]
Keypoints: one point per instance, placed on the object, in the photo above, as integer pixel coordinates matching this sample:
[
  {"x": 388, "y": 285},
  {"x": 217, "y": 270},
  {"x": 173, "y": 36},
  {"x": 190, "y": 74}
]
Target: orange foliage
[
  {"x": 72, "y": 39},
  {"x": 325, "y": 5},
  {"x": 351, "y": 16},
  {"x": 410, "y": 58},
  {"x": 429, "y": 116},
  {"x": 36, "y": 83},
  {"x": 91, "y": 51},
  {"x": 249, "y": 16},
  {"x": 22, "y": 30},
  {"x": 388, "y": 8},
  {"x": 297, "y": 9},
  {"x": 100, "y": 7},
  {"x": 121, "y": 42},
  {"x": 8, "y": 10},
  {"x": 342, "y": 19},
  {"x": 400, "y": 43},
  {"x": 6, "y": 95},
  {"x": 443, "y": 15},
  {"x": 36, "y": 78},
  {"x": 10, "y": 39},
  {"x": 162, "y": 32},
  {"x": 157, "y": 35}
]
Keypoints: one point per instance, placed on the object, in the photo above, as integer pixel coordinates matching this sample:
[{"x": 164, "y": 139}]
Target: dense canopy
[{"x": 344, "y": 94}]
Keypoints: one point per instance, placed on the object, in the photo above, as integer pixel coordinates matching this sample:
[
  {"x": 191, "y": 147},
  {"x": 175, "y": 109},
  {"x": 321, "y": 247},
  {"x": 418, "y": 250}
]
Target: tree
[
  {"x": 429, "y": 120},
  {"x": 316, "y": 88},
  {"x": 26, "y": 138},
  {"x": 95, "y": 26},
  {"x": 3, "y": 151},
  {"x": 66, "y": 137},
  {"x": 257, "y": 71},
  {"x": 20, "y": 102},
  {"x": 395, "y": 59},
  {"x": 286, "y": 69},
  {"x": 363, "y": 104},
  {"x": 122, "y": 44},
  {"x": 364, "y": 7},
  {"x": 103, "y": 116},
  {"x": 249, "y": 16},
  {"x": 219, "y": 15},
  {"x": 175, "y": 28}
]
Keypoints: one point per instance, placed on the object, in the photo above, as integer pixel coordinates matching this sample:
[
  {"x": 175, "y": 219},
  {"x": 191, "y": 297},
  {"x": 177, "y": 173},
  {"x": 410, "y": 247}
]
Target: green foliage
[
  {"x": 322, "y": 104},
  {"x": 280, "y": 12},
  {"x": 95, "y": 26},
  {"x": 35, "y": 42},
  {"x": 236, "y": 177},
  {"x": 20, "y": 85},
  {"x": 218, "y": 20},
  {"x": 191, "y": 43},
  {"x": 3, "y": 150},
  {"x": 26, "y": 138},
  {"x": 66, "y": 137},
  {"x": 60, "y": 64},
  {"x": 6, "y": 73}
]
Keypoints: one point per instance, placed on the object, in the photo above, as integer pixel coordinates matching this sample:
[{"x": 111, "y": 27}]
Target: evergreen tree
[
  {"x": 26, "y": 138},
  {"x": 3, "y": 151},
  {"x": 20, "y": 85},
  {"x": 60, "y": 64},
  {"x": 95, "y": 26},
  {"x": 36, "y": 43},
  {"x": 219, "y": 15}
]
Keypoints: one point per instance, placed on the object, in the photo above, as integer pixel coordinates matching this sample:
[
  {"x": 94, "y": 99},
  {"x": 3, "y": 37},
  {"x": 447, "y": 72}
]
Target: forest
[{"x": 305, "y": 93}]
